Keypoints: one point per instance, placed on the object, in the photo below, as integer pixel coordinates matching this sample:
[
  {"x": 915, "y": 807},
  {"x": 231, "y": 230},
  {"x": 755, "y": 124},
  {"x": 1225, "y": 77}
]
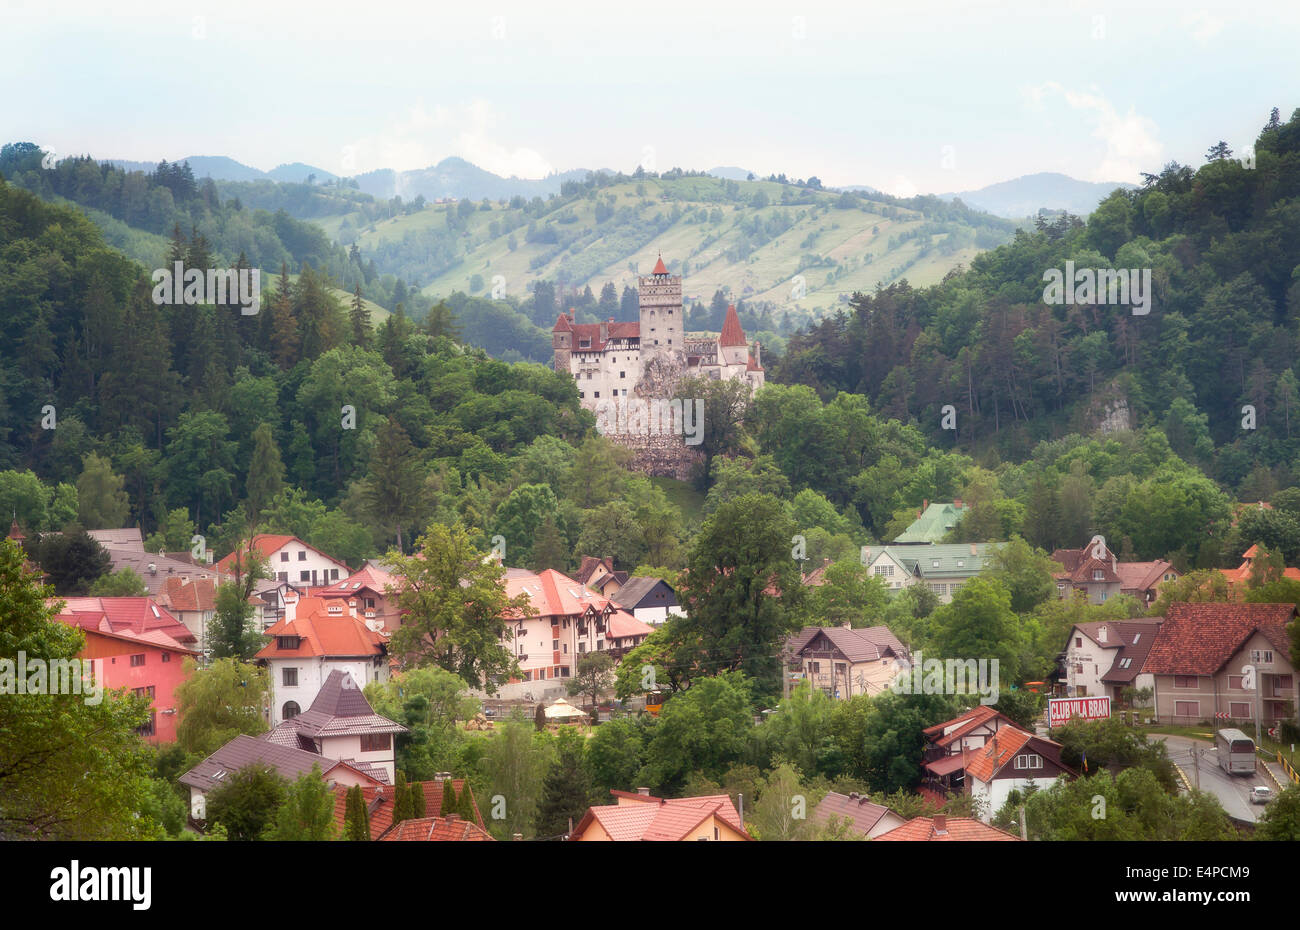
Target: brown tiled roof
[
  {"x": 985, "y": 762},
  {"x": 1199, "y": 639},
  {"x": 863, "y": 645},
  {"x": 1078, "y": 565},
  {"x": 965, "y": 723},
  {"x": 861, "y": 811},
  {"x": 438, "y": 829},
  {"x": 246, "y": 750},
  {"x": 962, "y": 829},
  {"x": 182, "y": 593},
  {"x": 1138, "y": 576},
  {"x": 659, "y": 819},
  {"x": 1130, "y": 639},
  {"x": 340, "y": 709}
]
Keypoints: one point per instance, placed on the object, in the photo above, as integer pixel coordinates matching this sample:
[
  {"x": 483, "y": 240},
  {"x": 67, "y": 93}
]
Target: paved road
[{"x": 1233, "y": 791}]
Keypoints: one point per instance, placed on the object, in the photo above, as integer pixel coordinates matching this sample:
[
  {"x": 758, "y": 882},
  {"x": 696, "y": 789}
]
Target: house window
[
  {"x": 555, "y": 645},
  {"x": 144, "y": 692},
  {"x": 284, "y": 556},
  {"x": 1125, "y": 663},
  {"x": 595, "y": 393},
  {"x": 291, "y": 710},
  {"x": 1187, "y": 708},
  {"x": 304, "y": 576},
  {"x": 564, "y": 671},
  {"x": 885, "y": 570},
  {"x": 282, "y": 576},
  {"x": 1185, "y": 681},
  {"x": 287, "y": 642},
  {"x": 149, "y": 728},
  {"x": 934, "y": 564},
  {"x": 291, "y": 678},
  {"x": 334, "y": 574},
  {"x": 137, "y": 660},
  {"x": 1239, "y": 710},
  {"x": 1098, "y": 575},
  {"x": 1281, "y": 683},
  {"x": 302, "y": 555},
  {"x": 1078, "y": 642},
  {"x": 376, "y": 742},
  {"x": 1234, "y": 683},
  {"x": 1078, "y": 668},
  {"x": 1261, "y": 656},
  {"x": 1029, "y": 760},
  {"x": 166, "y": 656}
]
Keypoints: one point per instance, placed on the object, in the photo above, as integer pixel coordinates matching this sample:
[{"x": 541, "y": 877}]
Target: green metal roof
[
  {"x": 954, "y": 560},
  {"x": 933, "y": 525}
]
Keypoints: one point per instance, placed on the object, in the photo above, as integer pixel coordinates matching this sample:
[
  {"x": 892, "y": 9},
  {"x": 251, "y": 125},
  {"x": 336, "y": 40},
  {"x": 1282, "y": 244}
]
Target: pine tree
[
  {"x": 284, "y": 325},
  {"x": 394, "y": 485},
  {"x": 360, "y": 319},
  {"x": 356, "y": 821},
  {"x": 402, "y": 808},
  {"x": 550, "y": 550},
  {"x": 448, "y": 805},
  {"x": 265, "y": 473},
  {"x": 566, "y": 792},
  {"x": 417, "y": 800},
  {"x": 465, "y": 804}
]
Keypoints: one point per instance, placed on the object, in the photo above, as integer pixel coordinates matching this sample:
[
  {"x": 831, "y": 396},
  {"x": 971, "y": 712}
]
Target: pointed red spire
[
  {"x": 732, "y": 334},
  {"x": 660, "y": 268}
]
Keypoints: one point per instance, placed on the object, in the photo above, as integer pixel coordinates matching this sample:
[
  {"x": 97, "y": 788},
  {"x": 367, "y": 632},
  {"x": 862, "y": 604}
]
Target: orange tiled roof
[
  {"x": 732, "y": 334},
  {"x": 962, "y": 829},
  {"x": 984, "y": 763},
  {"x": 438, "y": 829},
  {"x": 379, "y": 803},
  {"x": 659, "y": 819},
  {"x": 321, "y": 634}
]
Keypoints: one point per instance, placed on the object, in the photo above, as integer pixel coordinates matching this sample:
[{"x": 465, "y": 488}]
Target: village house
[
  {"x": 192, "y": 601},
  {"x": 438, "y": 829},
  {"x": 945, "y": 568},
  {"x": 379, "y": 800},
  {"x": 640, "y": 816},
  {"x": 1200, "y": 657},
  {"x": 340, "y": 724},
  {"x": 289, "y": 559},
  {"x": 600, "y": 576},
  {"x": 370, "y": 587},
  {"x": 289, "y": 762},
  {"x": 844, "y": 662},
  {"x": 125, "y": 548},
  {"x": 319, "y": 638},
  {"x": 1100, "y": 579},
  {"x": 863, "y": 816},
  {"x": 651, "y": 600},
  {"x": 138, "y": 646},
  {"x": 571, "y": 620},
  {"x": 1105, "y": 657},
  {"x": 983, "y": 753}
]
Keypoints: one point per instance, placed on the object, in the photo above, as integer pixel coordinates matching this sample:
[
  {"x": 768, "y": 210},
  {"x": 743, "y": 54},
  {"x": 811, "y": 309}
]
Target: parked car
[
  {"x": 489, "y": 711},
  {"x": 1261, "y": 794}
]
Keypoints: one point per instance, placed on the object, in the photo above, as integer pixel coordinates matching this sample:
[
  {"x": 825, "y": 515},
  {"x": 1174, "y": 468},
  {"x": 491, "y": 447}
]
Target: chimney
[
  {"x": 516, "y": 837},
  {"x": 604, "y": 331},
  {"x": 853, "y": 795},
  {"x": 1101, "y": 634},
  {"x": 644, "y": 792},
  {"x": 957, "y": 503},
  {"x": 451, "y": 818},
  {"x": 290, "y": 605},
  {"x": 974, "y": 550},
  {"x": 941, "y": 825}
]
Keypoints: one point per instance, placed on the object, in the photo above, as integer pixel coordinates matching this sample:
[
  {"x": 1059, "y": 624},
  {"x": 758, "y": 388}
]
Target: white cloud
[
  {"x": 424, "y": 137},
  {"x": 1130, "y": 139}
]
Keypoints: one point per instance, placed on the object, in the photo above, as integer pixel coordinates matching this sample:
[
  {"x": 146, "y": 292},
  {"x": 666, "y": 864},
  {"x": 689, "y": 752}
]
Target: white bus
[{"x": 1236, "y": 752}]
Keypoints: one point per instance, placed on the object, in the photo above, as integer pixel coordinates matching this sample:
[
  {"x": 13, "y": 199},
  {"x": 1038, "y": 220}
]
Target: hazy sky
[{"x": 904, "y": 96}]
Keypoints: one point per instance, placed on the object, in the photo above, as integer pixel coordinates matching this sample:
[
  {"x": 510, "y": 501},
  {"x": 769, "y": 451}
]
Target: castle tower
[
  {"x": 562, "y": 342},
  {"x": 732, "y": 348},
  {"x": 660, "y": 296}
]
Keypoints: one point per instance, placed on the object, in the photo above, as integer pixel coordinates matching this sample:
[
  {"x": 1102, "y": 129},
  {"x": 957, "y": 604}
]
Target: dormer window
[{"x": 288, "y": 642}]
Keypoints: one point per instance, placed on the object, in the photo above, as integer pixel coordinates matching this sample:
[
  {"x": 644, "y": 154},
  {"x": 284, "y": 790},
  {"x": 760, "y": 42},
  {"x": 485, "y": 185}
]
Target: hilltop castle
[{"x": 647, "y": 358}]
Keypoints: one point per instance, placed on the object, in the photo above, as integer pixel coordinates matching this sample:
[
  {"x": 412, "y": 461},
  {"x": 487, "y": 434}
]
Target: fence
[{"x": 1288, "y": 768}]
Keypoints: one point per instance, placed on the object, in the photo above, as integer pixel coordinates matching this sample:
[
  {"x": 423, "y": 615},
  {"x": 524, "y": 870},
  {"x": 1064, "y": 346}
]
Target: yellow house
[{"x": 642, "y": 817}]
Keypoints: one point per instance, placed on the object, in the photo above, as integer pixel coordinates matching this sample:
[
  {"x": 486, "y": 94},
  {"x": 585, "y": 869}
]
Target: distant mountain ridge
[{"x": 1025, "y": 196}]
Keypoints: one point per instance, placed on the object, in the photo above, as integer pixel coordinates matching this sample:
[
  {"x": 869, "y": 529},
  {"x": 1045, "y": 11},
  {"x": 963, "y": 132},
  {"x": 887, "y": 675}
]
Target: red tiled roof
[
  {"x": 732, "y": 334},
  {"x": 1199, "y": 639},
  {"x": 752, "y": 364},
  {"x": 660, "y": 267},
  {"x": 659, "y": 819},
  {"x": 376, "y": 579},
  {"x": 265, "y": 545},
  {"x": 379, "y": 803},
  {"x": 962, "y": 829},
  {"x": 135, "y": 615},
  {"x": 438, "y": 829}
]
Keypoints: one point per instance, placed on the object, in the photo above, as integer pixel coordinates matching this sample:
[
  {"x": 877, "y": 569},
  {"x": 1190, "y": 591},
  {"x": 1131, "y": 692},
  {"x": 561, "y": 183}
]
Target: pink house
[{"x": 139, "y": 647}]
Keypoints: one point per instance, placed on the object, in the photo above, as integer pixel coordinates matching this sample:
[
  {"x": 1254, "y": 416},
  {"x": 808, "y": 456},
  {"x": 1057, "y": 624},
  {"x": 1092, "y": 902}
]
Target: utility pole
[
  {"x": 1196, "y": 767},
  {"x": 1024, "y": 824}
]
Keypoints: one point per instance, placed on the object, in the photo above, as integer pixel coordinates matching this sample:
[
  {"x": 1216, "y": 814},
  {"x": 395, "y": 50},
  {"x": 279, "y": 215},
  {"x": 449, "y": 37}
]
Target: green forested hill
[{"x": 1223, "y": 245}]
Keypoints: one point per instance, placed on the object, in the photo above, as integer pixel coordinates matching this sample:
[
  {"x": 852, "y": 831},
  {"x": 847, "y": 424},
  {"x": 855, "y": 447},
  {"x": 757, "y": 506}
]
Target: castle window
[
  {"x": 622, "y": 374},
  {"x": 595, "y": 394}
]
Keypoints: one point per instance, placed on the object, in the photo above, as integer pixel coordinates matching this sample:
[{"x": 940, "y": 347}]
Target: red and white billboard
[{"x": 1060, "y": 710}]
